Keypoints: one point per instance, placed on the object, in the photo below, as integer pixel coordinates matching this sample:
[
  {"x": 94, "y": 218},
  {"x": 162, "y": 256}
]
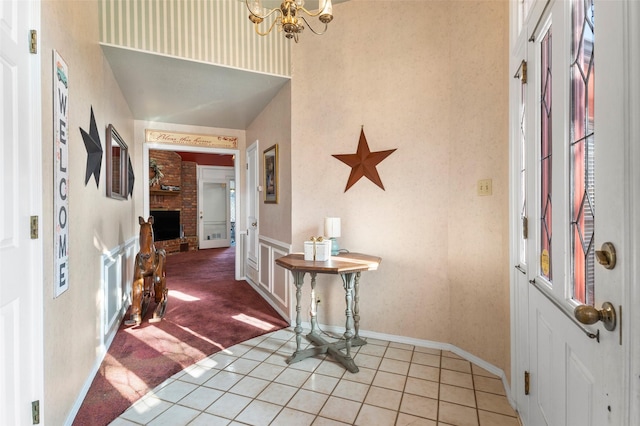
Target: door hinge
[
  {"x": 35, "y": 412},
  {"x": 521, "y": 73},
  {"x": 33, "y": 41},
  {"x": 34, "y": 227},
  {"x": 526, "y": 382},
  {"x": 525, "y": 227}
]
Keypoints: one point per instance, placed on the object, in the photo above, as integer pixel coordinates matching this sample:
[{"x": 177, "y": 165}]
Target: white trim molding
[
  {"x": 272, "y": 282},
  {"x": 337, "y": 331}
]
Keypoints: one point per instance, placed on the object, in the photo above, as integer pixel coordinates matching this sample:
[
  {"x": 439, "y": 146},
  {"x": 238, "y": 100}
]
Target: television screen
[{"x": 166, "y": 224}]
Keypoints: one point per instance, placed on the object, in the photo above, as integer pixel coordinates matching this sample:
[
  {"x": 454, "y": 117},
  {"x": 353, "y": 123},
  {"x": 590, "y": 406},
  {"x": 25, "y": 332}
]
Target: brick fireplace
[{"x": 177, "y": 190}]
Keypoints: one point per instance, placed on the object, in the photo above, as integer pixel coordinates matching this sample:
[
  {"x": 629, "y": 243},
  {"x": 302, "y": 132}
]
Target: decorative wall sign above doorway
[{"x": 179, "y": 138}]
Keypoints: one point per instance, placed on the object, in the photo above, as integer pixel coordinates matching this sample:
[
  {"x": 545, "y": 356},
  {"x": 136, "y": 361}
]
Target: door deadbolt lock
[
  {"x": 589, "y": 315},
  {"x": 606, "y": 256}
]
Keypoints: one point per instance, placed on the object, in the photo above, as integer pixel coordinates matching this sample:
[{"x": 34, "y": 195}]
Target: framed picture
[
  {"x": 270, "y": 159},
  {"x": 117, "y": 165}
]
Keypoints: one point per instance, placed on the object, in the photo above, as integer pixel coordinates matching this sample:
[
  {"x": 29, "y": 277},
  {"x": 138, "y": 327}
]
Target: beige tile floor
[{"x": 398, "y": 384}]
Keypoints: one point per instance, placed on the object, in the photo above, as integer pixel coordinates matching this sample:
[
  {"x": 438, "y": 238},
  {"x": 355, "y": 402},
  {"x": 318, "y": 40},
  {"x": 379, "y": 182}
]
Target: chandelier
[{"x": 289, "y": 16}]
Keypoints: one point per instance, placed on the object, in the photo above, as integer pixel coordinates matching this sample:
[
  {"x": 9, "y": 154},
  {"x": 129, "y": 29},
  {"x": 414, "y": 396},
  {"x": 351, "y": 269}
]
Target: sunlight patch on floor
[
  {"x": 199, "y": 336},
  {"x": 183, "y": 296},
  {"x": 130, "y": 386},
  {"x": 262, "y": 325}
]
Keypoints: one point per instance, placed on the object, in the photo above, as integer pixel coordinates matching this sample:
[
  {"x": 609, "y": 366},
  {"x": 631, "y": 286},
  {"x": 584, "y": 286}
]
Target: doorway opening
[{"x": 164, "y": 190}]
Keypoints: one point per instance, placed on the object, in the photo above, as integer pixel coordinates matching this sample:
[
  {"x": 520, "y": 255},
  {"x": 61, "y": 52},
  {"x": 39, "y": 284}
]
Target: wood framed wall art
[{"x": 270, "y": 160}]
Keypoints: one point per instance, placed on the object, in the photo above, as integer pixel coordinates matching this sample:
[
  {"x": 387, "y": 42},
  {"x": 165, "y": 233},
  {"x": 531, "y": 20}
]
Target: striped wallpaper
[{"x": 215, "y": 31}]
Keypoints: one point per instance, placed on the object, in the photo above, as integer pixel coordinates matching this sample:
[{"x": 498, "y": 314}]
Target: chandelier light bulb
[
  {"x": 255, "y": 7},
  {"x": 289, "y": 17},
  {"x": 326, "y": 15}
]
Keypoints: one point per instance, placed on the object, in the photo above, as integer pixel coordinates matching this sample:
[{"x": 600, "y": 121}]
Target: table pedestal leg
[
  {"x": 314, "y": 305},
  {"x": 347, "y": 280},
  {"x": 356, "y": 310},
  {"x": 322, "y": 346},
  {"x": 298, "y": 279}
]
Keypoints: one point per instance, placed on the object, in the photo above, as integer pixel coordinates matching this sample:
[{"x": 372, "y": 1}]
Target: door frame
[
  {"x": 253, "y": 189},
  {"x": 632, "y": 331},
  {"x": 146, "y": 146},
  {"x": 631, "y": 292},
  {"x": 32, "y": 377},
  {"x": 200, "y": 172}
]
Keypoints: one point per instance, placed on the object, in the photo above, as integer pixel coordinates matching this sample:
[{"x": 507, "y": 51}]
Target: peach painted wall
[
  {"x": 97, "y": 224},
  {"x": 436, "y": 88},
  {"x": 273, "y": 126}
]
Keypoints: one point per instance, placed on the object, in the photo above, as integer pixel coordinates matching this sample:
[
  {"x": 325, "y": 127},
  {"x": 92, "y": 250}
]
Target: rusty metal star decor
[{"x": 364, "y": 162}]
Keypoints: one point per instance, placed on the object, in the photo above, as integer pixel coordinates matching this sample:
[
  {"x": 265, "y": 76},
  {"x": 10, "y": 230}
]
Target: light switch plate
[{"x": 484, "y": 187}]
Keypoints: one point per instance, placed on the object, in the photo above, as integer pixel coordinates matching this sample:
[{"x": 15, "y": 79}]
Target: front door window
[
  {"x": 546, "y": 217},
  {"x": 582, "y": 143}
]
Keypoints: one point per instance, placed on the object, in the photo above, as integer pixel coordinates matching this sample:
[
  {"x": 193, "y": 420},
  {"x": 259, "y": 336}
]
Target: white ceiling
[{"x": 175, "y": 90}]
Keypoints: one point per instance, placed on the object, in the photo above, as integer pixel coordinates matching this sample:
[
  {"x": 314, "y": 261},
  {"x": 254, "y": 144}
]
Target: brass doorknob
[{"x": 589, "y": 315}]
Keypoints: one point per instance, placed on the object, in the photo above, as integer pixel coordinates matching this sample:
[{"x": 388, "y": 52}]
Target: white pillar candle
[{"x": 332, "y": 227}]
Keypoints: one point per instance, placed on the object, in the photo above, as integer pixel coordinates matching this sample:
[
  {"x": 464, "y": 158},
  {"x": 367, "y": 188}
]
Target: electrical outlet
[
  {"x": 484, "y": 187},
  {"x": 318, "y": 298}
]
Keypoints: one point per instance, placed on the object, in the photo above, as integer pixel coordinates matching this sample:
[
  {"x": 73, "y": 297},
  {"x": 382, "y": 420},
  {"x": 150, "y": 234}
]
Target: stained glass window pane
[
  {"x": 582, "y": 152},
  {"x": 523, "y": 176},
  {"x": 545, "y": 159}
]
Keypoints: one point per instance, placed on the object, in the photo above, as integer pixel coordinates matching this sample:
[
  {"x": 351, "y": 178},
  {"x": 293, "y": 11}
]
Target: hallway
[{"x": 398, "y": 384}]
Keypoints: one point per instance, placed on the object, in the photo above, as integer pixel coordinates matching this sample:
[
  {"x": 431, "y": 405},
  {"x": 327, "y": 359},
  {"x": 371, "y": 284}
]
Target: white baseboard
[{"x": 338, "y": 331}]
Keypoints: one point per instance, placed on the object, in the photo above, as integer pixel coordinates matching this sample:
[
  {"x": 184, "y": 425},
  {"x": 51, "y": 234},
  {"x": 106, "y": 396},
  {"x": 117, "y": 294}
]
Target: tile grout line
[
  {"x": 274, "y": 346},
  {"x": 475, "y": 395},
  {"x": 439, "y": 385}
]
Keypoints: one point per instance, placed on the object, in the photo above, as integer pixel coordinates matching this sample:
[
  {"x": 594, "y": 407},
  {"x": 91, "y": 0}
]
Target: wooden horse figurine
[{"x": 149, "y": 268}]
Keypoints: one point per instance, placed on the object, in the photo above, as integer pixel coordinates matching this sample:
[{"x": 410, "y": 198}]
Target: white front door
[
  {"x": 571, "y": 172},
  {"x": 21, "y": 336}
]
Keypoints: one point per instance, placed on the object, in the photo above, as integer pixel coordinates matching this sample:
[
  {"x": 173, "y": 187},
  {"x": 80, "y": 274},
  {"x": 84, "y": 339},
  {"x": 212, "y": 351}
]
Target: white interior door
[
  {"x": 21, "y": 362},
  {"x": 575, "y": 183},
  {"x": 253, "y": 194},
  {"x": 214, "y": 219}
]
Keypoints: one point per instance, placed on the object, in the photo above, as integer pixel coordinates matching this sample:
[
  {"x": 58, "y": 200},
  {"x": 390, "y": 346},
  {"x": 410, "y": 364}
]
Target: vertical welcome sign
[{"x": 60, "y": 174}]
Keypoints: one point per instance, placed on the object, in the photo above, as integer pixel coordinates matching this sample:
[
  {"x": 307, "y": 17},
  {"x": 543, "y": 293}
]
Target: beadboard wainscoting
[
  {"x": 117, "y": 277},
  {"x": 272, "y": 281}
]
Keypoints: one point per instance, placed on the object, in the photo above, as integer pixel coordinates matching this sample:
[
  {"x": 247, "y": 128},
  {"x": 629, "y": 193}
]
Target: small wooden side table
[{"x": 348, "y": 266}]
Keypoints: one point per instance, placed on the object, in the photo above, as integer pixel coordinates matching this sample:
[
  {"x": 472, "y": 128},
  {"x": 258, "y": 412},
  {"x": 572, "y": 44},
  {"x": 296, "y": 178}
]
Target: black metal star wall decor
[
  {"x": 94, "y": 151},
  {"x": 132, "y": 178},
  {"x": 364, "y": 162}
]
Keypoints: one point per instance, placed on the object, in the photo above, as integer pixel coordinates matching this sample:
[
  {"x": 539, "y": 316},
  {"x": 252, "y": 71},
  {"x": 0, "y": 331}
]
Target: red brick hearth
[{"x": 176, "y": 190}]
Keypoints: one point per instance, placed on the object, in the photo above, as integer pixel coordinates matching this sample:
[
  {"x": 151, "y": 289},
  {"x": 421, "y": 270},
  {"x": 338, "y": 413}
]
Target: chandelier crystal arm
[
  {"x": 255, "y": 25},
  {"x": 311, "y": 28}
]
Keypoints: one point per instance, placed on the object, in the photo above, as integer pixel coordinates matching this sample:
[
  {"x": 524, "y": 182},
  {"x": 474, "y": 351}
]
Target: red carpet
[{"x": 208, "y": 310}]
